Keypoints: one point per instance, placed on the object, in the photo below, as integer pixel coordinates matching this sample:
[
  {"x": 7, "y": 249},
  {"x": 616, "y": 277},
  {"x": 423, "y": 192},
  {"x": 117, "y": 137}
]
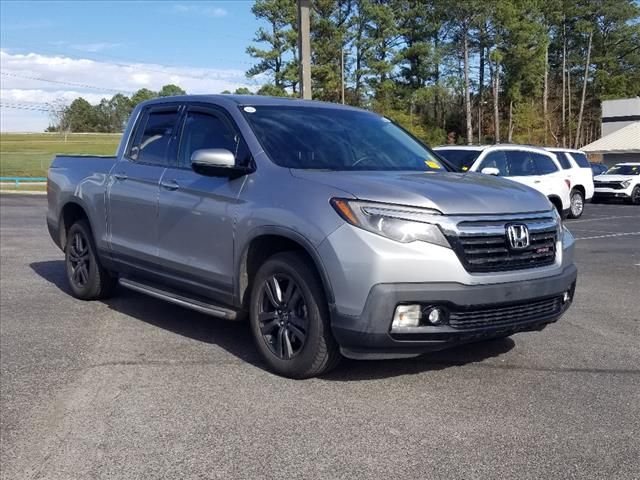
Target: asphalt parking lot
[{"x": 134, "y": 388}]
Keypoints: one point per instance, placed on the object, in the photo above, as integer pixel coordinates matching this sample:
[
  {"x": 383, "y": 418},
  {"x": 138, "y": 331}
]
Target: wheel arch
[
  {"x": 556, "y": 201},
  {"x": 581, "y": 189},
  {"x": 70, "y": 213},
  {"x": 265, "y": 242}
]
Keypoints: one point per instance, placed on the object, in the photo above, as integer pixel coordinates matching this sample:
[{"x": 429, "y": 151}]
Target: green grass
[
  {"x": 29, "y": 155},
  {"x": 24, "y": 187}
]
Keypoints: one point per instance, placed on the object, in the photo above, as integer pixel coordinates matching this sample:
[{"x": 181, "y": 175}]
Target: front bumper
[
  {"x": 609, "y": 193},
  {"x": 369, "y": 334}
]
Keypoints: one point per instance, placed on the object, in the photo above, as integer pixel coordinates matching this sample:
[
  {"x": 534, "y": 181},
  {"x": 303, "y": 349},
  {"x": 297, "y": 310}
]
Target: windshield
[
  {"x": 624, "y": 170},
  {"x": 461, "y": 159},
  {"x": 336, "y": 139}
]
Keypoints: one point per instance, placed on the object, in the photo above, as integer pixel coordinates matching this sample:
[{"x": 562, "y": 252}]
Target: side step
[{"x": 193, "y": 304}]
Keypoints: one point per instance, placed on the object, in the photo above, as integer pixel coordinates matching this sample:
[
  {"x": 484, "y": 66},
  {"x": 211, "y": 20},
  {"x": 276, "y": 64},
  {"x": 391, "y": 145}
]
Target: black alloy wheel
[
  {"x": 88, "y": 279},
  {"x": 283, "y": 316},
  {"x": 79, "y": 260},
  {"x": 289, "y": 317}
]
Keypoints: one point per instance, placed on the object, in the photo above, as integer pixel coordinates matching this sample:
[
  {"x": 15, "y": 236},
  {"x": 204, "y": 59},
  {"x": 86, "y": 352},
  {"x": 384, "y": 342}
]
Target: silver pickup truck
[{"x": 331, "y": 229}]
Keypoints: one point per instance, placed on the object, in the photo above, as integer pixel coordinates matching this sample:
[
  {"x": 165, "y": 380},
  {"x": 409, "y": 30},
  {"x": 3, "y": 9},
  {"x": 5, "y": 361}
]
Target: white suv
[
  {"x": 531, "y": 166},
  {"x": 621, "y": 181},
  {"x": 578, "y": 170}
]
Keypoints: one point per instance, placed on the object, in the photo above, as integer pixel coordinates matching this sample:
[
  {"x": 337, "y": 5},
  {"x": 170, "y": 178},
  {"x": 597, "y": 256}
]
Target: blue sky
[{"x": 55, "y": 51}]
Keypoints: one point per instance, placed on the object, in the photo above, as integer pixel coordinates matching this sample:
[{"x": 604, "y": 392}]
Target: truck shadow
[{"x": 235, "y": 337}]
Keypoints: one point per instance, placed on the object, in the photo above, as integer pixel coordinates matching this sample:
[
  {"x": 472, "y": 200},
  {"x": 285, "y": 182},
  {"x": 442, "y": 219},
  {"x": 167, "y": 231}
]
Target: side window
[
  {"x": 564, "y": 160},
  {"x": 545, "y": 164},
  {"x": 207, "y": 130},
  {"x": 495, "y": 159},
  {"x": 521, "y": 163},
  {"x": 152, "y": 137},
  {"x": 581, "y": 159}
]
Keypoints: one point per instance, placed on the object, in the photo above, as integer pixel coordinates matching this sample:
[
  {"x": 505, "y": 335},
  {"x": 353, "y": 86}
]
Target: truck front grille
[
  {"x": 483, "y": 246},
  {"x": 496, "y": 316},
  {"x": 614, "y": 185}
]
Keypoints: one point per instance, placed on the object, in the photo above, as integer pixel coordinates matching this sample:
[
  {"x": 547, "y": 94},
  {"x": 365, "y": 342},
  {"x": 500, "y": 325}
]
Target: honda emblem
[{"x": 518, "y": 236}]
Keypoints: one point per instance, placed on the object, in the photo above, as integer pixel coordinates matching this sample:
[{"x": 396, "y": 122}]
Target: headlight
[
  {"x": 559, "y": 226},
  {"x": 626, "y": 183},
  {"x": 397, "y": 222}
]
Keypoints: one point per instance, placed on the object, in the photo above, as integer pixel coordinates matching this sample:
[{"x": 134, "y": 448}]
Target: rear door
[
  {"x": 196, "y": 225},
  {"x": 522, "y": 168},
  {"x": 583, "y": 172},
  {"x": 553, "y": 178},
  {"x": 134, "y": 187}
]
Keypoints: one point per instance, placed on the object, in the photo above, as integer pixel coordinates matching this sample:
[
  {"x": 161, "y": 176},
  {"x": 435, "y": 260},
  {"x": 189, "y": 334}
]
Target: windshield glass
[
  {"x": 461, "y": 159},
  {"x": 336, "y": 139},
  {"x": 624, "y": 170}
]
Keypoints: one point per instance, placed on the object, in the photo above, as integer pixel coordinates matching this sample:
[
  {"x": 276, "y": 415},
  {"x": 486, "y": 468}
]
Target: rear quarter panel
[{"x": 81, "y": 180}]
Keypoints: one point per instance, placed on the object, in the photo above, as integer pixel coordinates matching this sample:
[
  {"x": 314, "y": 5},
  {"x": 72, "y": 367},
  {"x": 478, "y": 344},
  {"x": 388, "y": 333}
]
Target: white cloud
[
  {"x": 23, "y": 80},
  {"x": 207, "y": 11}
]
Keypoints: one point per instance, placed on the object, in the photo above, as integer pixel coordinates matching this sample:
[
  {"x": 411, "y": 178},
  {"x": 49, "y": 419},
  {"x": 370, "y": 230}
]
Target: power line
[
  {"x": 32, "y": 108},
  {"x": 135, "y": 63},
  {"x": 73, "y": 84}
]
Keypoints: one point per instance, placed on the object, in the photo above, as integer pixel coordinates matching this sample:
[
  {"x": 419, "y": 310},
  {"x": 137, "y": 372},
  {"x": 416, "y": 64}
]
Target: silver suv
[{"x": 334, "y": 231}]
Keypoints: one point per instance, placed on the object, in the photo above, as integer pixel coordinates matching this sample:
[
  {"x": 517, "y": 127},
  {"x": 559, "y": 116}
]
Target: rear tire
[
  {"x": 577, "y": 204},
  {"x": 289, "y": 318},
  {"x": 86, "y": 276}
]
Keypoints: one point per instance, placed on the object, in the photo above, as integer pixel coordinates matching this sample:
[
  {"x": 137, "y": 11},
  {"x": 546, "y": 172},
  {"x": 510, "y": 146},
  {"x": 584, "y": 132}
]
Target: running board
[{"x": 197, "y": 305}]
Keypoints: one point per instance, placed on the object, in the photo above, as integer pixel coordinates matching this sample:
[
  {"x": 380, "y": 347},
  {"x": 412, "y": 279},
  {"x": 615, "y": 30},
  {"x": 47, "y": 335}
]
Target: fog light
[
  {"x": 407, "y": 316},
  {"x": 435, "y": 315},
  {"x": 566, "y": 298}
]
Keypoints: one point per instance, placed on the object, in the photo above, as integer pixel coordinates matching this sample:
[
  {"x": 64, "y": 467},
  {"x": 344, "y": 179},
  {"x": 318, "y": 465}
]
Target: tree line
[
  {"x": 526, "y": 71},
  {"x": 108, "y": 116}
]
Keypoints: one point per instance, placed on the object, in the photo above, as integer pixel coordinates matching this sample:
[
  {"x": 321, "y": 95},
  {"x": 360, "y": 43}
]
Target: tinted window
[
  {"x": 520, "y": 163},
  {"x": 544, "y": 163},
  {"x": 624, "y": 170},
  {"x": 336, "y": 139},
  {"x": 152, "y": 142},
  {"x": 495, "y": 159},
  {"x": 564, "y": 160},
  {"x": 461, "y": 159},
  {"x": 207, "y": 130},
  {"x": 581, "y": 159}
]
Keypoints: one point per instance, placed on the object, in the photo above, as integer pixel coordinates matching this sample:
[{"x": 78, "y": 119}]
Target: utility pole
[
  {"x": 342, "y": 72},
  {"x": 304, "y": 47}
]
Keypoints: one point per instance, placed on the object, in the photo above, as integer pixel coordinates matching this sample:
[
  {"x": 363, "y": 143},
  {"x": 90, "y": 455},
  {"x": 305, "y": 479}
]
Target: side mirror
[
  {"x": 490, "y": 171},
  {"x": 217, "y": 162}
]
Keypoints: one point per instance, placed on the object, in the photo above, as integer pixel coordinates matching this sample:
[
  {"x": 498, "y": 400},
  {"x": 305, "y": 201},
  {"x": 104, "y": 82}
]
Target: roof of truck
[{"x": 253, "y": 100}]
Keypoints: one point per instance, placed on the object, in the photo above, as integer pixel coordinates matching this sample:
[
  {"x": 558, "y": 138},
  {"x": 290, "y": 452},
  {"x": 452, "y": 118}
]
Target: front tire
[
  {"x": 577, "y": 204},
  {"x": 635, "y": 196},
  {"x": 86, "y": 276},
  {"x": 289, "y": 318}
]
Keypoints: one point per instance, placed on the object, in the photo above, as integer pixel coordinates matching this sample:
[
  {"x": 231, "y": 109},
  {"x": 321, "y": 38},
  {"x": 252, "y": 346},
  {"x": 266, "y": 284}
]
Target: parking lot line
[
  {"x": 601, "y": 218},
  {"x": 607, "y": 236}
]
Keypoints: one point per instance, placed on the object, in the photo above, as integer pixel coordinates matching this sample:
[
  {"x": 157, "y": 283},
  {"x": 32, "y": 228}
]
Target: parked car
[
  {"x": 598, "y": 168},
  {"x": 331, "y": 229},
  {"x": 621, "y": 181},
  {"x": 576, "y": 166},
  {"x": 530, "y": 166}
]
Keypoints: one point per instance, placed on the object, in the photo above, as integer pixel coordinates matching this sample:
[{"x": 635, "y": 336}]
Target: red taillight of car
[{"x": 568, "y": 182}]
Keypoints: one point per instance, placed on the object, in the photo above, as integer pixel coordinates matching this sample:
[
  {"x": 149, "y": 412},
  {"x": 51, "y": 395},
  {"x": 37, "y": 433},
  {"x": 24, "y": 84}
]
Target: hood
[
  {"x": 613, "y": 178},
  {"x": 450, "y": 193}
]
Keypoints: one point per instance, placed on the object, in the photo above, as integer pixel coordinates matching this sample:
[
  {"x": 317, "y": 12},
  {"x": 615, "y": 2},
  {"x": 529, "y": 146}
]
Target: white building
[{"x": 620, "y": 140}]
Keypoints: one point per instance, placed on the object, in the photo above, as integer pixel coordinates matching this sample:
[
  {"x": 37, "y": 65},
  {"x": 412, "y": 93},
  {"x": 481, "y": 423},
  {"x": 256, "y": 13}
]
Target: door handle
[
  {"x": 120, "y": 176},
  {"x": 170, "y": 185},
  {"x": 537, "y": 181}
]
